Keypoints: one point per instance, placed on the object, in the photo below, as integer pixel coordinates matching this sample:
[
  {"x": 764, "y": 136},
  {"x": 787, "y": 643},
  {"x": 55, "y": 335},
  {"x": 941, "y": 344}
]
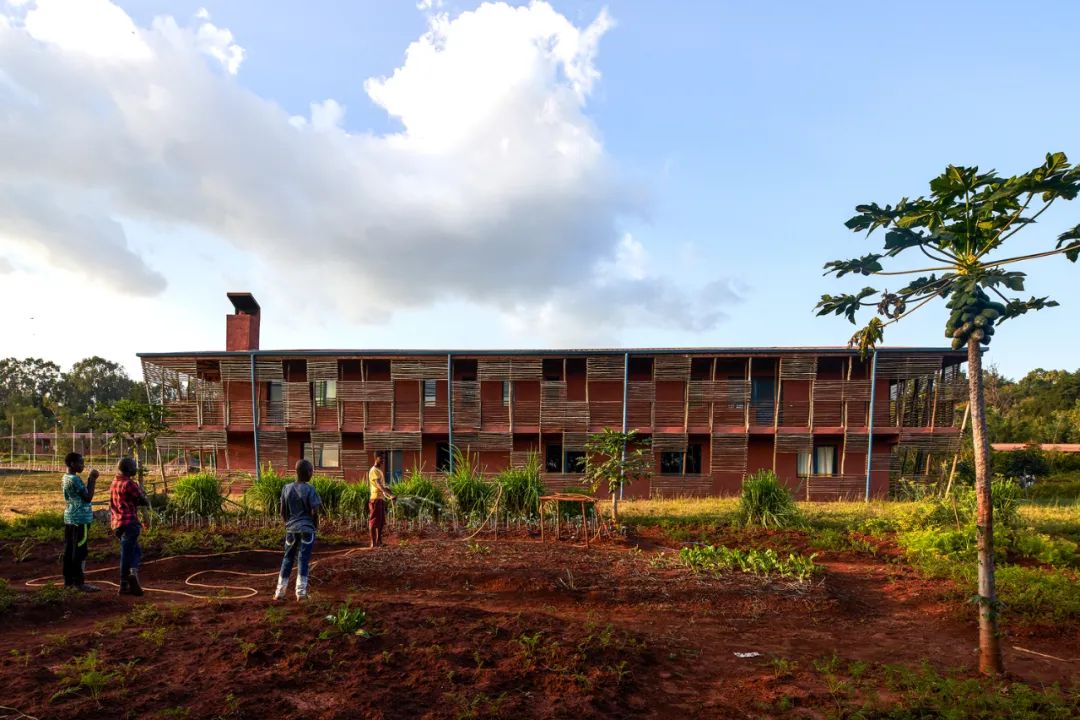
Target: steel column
[
  {"x": 870, "y": 422},
  {"x": 255, "y": 418}
]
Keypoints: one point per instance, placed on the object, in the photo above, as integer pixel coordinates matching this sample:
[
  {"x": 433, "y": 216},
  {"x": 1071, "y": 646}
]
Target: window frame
[
  {"x": 432, "y": 399},
  {"x": 325, "y": 392}
]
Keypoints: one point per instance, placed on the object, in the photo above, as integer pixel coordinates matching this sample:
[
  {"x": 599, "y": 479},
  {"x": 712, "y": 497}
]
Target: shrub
[
  {"x": 354, "y": 499},
  {"x": 1044, "y": 548},
  {"x": 264, "y": 495},
  {"x": 521, "y": 489},
  {"x": 417, "y": 495},
  {"x": 199, "y": 494},
  {"x": 330, "y": 491},
  {"x": 470, "y": 491},
  {"x": 766, "y": 502}
]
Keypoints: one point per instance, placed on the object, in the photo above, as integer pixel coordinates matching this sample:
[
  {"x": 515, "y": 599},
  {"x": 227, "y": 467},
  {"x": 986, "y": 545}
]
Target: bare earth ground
[{"x": 510, "y": 628}]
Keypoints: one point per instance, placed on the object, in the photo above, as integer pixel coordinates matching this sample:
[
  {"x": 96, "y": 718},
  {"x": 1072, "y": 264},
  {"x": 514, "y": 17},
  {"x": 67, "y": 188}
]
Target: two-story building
[{"x": 830, "y": 423}]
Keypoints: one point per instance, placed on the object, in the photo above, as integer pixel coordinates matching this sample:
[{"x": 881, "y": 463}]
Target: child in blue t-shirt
[
  {"x": 78, "y": 515},
  {"x": 300, "y": 511}
]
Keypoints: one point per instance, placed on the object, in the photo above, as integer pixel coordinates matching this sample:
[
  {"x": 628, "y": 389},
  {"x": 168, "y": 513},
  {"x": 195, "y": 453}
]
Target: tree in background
[
  {"x": 1041, "y": 407},
  {"x": 92, "y": 384},
  {"x": 140, "y": 424},
  {"x": 613, "y": 459},
  {"x": 960, "y": 227},
  {"x": 28, "y": 393}
]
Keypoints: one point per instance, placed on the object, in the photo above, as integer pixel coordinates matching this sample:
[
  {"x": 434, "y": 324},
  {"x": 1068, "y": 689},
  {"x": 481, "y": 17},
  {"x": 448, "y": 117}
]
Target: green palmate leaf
[
  {"x": 867, "y": 338},
  {"x": 1016, "y": 308},
  {"x": 1070, "y": 240},
  {"x": 866, "y": 265},
  {"x": 927, "y": 285},
  {"x": 1012, "y": 280},
  {"x": 843, "y": 304}
]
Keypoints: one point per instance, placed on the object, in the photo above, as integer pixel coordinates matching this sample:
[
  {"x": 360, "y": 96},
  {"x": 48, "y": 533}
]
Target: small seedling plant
[{"x": 347, "y": 621}]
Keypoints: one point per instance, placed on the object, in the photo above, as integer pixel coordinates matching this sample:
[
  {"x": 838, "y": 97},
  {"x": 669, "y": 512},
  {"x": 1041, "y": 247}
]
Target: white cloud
[
  {"x": 95, "y": 28},
  {"x": 496, "y": 189},
  {"x": 218, "y": 43}
]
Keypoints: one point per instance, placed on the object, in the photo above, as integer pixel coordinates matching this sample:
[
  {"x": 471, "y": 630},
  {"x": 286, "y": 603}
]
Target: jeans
[
  {"x": 76, "y": 545},
  {"x": 297, "y": 543},
  {"x": 130, "y": 552}
]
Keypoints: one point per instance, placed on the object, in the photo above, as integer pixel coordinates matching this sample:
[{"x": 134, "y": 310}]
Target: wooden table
[{"x": 584, "y": 500}]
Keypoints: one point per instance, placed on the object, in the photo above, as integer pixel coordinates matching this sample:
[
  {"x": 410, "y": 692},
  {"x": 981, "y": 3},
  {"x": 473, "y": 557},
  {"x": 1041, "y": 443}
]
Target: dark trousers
[
  {"x": 130, "y": 552},
  {"x": 76, "y": 546}
]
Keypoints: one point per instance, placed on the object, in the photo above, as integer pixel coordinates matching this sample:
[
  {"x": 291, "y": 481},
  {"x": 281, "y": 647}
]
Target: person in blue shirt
[
  {"x": 300, "y": 511},
  {"x": 78, "y": 515}
]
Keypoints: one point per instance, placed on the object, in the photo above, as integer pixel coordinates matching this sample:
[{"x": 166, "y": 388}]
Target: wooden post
[{"x": 585, "y": 524}]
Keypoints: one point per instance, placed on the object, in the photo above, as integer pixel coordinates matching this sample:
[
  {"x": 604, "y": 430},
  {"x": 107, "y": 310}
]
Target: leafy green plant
[
  {"x": 521, "y": 489},
  {"x": 330, "y": 491},
  {"x": 84, "y": 673},
  {"x": 354, "y": 499},
  {"x": 764, "y": 563},
  {"x": 264, "y": 495},
  {"x": 418, "y": 495},
  {"x": 199, "y": 494},
  {"x": 52, "y": 594},
  {"x": 765, "y": 501},
  {"x": 614, "y": 459},
  {"x": 348, "y": 621},
  {"x": 472, "y": 494}
]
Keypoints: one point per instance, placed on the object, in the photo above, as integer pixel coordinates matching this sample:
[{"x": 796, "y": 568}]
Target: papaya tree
[
  {"x": 614, "y": 459},
  {"x": 962, "y": 228}
]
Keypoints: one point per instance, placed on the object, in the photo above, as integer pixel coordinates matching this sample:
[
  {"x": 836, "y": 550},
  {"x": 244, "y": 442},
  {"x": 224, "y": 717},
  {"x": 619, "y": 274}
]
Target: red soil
[{"x": 513, "y": 628}]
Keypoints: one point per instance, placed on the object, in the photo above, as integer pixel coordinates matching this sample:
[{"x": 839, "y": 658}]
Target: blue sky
[{"x": 728, "y": 142}]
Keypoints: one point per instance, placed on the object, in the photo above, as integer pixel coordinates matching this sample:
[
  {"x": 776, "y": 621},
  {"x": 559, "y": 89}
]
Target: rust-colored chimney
[{"x": 242, "y": 328}]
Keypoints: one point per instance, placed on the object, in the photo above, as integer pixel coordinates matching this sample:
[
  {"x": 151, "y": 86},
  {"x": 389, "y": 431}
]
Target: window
[
  {"x": 822, "y": 461},
  {"x": 508, "y": 393},
  {"x": 735, "y": 392},
  {"x": 552, "y": 369},
  {"x": 442, "y": 457},
  {"x": 325, "y": 393},
  {"x": 553, "y": 457},
  {"x": 687, "y": 462},
  {"x": 429, "y": 393},
  {"x": 762, "y": 399},
  {"x": 671, "y": 463},
  {"x": 276, "y": 392},
  {"x": 574, "y": 461},
  {"x": 693, "y": 460},
  {"x": 326, "y": 455},
  {"x": 395, "y": 465}
]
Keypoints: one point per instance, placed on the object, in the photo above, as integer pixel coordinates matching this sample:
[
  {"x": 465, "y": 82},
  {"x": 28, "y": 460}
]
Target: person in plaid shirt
[{"x": 124, "y": 498}]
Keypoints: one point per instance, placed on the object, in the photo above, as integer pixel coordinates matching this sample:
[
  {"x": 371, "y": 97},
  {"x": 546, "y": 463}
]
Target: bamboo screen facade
[{"x": 711, "y": 416}]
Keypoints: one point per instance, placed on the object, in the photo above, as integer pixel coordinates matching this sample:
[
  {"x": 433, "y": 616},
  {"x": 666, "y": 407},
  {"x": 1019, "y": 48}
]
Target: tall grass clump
[
  {"x": 521, "y": 489},
  {"x": 330, "y": 491},
  {"x": 471, "y": 493},
  {"x": 417, "y": 496},
  {"x": 264, "y": 495},
  {"x": 354, "y": 499},
  {"x": 765, "y": 501},
  {"x": 199, "y": 494}
]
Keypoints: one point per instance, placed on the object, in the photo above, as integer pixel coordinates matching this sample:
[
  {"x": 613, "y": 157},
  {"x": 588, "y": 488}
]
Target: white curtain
[
  {"x": 804, "y": 467},
  {"x": 825, "y": 460}
]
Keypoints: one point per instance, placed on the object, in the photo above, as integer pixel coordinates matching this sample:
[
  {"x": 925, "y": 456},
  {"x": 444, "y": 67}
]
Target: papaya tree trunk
[
  {"x": 990, "y": 662},
  {"x": 615, "y": 505}
]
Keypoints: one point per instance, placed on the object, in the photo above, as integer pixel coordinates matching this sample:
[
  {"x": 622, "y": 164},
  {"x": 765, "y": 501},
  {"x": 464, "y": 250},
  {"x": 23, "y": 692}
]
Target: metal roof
[{"x": 551, "y": 352}]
